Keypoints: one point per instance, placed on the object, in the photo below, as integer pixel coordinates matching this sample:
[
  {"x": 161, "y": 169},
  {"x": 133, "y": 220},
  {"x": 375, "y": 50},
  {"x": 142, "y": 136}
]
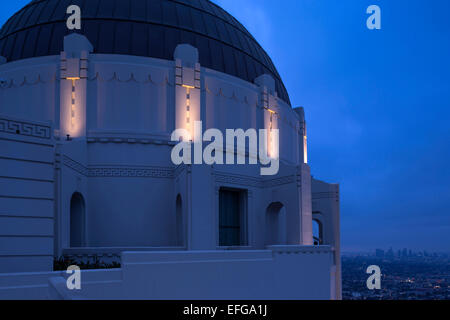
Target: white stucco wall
[
  {"x": 26, "y": 195},
  {"x": 118, "y": 159},
  {"x": 121, "y": 163}
]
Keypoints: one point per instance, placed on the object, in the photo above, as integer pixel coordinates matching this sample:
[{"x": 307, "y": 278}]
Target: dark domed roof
[{"x": 151, "y": 28}]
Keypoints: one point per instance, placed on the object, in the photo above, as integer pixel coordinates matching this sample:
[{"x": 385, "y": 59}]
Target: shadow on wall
[
  {"x": 77, "y": 221},
  {"x": 276, "y": 224}
]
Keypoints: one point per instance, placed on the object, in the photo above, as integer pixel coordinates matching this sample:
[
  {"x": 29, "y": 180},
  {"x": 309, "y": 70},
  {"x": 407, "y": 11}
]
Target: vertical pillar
[
  {"x": 302, "y": 136},
  {"x": 187, "y": 88},
  {"x": 73, "y": 75},
  {"x": 200, "y": 188},
  {"x": 304, "y": 182},
  {"x": 203, "y": 226},
  {"x": 270, "y": 116},
  {"x": 305, "y": 204}
]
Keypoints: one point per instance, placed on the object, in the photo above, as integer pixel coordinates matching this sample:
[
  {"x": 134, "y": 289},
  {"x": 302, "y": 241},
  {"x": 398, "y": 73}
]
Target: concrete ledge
[
  {"x": 199, "y": 256},
  {"x": 96, "y": 284},
  {"x": 300, "y": 249},
  {"x": 57, "y": 290},
  {"x": 225, "y": 275},
  {"x": 113, "y": 251},
  {"x": 282, "y": 272}
]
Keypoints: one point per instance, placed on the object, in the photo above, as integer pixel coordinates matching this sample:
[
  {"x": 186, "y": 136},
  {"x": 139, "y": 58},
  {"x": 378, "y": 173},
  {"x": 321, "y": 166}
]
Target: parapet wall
[
  {"x": 279, "y": 273},
  {"x": 284, "y": 272}
]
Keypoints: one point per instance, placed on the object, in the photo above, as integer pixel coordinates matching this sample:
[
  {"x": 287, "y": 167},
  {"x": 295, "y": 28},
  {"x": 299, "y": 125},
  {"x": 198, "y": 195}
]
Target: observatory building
[{"x": 86, "y": 119}]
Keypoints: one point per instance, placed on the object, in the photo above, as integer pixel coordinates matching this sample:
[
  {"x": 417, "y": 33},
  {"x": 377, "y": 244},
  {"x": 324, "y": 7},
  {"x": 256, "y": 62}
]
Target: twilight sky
[{"x": 377, "y": 105}]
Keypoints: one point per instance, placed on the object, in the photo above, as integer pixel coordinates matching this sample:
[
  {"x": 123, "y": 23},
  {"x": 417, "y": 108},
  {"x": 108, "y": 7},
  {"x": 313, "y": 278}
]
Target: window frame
[{"x": 243, "y": 217}]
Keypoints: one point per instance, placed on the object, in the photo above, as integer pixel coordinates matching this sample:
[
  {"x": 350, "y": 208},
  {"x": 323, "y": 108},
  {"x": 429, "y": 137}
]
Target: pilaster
[{"x": 74, "y": 62}]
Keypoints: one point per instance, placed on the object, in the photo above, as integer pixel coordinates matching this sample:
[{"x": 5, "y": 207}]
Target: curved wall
[
  {"x": 30, "y": 89},
  {"x": 127, "y": 177}
]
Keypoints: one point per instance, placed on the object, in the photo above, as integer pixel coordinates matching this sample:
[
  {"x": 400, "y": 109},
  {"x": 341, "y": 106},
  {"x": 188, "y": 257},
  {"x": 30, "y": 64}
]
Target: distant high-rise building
[
  {"x": 405, "y": 253},
  {"x": 379, "y": 253},
  {"x": 390, "y": 253}
]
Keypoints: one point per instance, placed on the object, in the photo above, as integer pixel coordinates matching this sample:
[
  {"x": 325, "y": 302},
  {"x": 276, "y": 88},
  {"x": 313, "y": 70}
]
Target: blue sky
[
  {"x": 377, "y": 104},
  {"x": 378, "y": 107}
]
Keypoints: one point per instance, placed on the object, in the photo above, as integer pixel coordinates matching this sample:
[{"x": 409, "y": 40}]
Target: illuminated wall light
[
  {"x": 188, "y": 110},
  {"x": 72, "y": 112},
  {"x": 305, "y": 144},
  {"x": 270, "y": 135},
  {"x": 73, "y": 102},
  {"x": 305, "y": 149},
  {"x": 271, "y": 147}
]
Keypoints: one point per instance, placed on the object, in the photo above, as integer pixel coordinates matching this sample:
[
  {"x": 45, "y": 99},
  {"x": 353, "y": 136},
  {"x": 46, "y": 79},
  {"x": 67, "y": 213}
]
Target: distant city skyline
[
  {"x": 373, "y": 251},
  {"x": 414, "y": 277}
]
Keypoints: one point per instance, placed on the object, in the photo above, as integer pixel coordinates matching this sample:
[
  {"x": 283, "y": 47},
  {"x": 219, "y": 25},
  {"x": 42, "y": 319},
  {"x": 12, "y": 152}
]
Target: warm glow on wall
[
  {"x": 305, "y": 149},
  {"x": 72, "y": 108},
  {"x": 272, "y": 141},
  {"x": 188, "y": 110},
  {"x": 73, "y": 117},
  {"x": 270, "y": 137},
  {"x": 305, "y": 143}
]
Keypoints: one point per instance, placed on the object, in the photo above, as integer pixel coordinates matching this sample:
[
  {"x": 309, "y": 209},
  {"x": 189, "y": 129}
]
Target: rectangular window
[{"x": 232, "y": 218}]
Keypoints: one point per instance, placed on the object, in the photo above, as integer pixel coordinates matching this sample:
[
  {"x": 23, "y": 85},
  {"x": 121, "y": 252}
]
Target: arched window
[
  {"x": 77, "y": 221},
  {"x": 180, "y": 222},
  {"x": 317, "y": 232},
  {"x": 275, "y": 224}
]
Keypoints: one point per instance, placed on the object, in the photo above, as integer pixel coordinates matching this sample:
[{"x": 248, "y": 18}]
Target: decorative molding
[
  {"x": 76, "y": 166},
  {"x": 262, "y": 103},
  {"x": 238, "y": 180},
  {"x": 131, "y": 78},
  {"x": 119, "y": 172},
  {"x": 143, "y": 172},
  {"x": 279, "y": 181},
  {"x": 249, "y": 181},
  {"x": 25, "y": 128},
  {"x": 25, "y": 81},
  {"x": 185, "y": 76},
  {"x": 71, "y": 68},
  {"x": 128, "y": 140},
  {"x": 179, "y": 170},
  {"x": 234, "y": 96},
  {"x": 146, "y": 80}
]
